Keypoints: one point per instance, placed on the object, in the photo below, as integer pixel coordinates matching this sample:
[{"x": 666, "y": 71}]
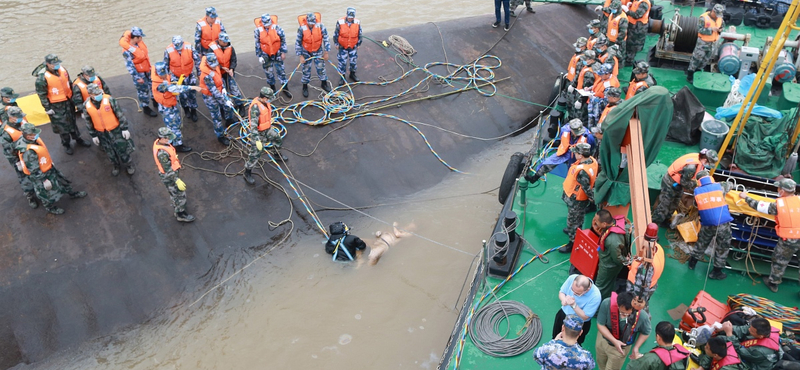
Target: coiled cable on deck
[{"x": 484, "y": 329}]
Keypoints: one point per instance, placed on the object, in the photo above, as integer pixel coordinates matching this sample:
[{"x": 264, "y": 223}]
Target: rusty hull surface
[{"x": 118, "y": 256}]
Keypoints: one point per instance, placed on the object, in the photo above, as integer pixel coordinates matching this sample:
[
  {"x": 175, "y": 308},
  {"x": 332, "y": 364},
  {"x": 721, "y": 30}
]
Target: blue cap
[
  {"x": 573, "y": 322},
  {"x": 161, "y": 68},
  {"x": 223, "y": 36},
  {"x": 211, "y": 12},
  {"x": 177, "y": 41},
  {"x": 311, "y": 18},
  {"x": 351, "y": 12},
  {"x": 265, "y": 18},
  {"x": 137, "y": 32},
  {"x": 605, "y": 69}
]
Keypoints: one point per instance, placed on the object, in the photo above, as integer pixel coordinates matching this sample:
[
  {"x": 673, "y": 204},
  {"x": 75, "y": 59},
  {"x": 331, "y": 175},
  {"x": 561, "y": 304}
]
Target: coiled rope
[
  {"x": 485, "y": 334},
  {"x": 788, "y": 316}
]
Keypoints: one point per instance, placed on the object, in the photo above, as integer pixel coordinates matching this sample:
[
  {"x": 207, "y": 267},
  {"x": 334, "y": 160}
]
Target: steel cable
[{"x": 484, "y": 329}]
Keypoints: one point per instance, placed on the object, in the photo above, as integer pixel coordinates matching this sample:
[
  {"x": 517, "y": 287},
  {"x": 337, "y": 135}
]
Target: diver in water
[{"x": 342, "y": 245}]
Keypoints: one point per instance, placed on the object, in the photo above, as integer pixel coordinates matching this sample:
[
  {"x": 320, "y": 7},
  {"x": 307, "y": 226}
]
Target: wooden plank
[{"x": 637, "y": 180}]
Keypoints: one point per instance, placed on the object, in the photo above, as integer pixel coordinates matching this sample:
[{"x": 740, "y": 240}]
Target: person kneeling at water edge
[
  {"x": 342, "y": 245},
  {"x": 571, "y": 134}
]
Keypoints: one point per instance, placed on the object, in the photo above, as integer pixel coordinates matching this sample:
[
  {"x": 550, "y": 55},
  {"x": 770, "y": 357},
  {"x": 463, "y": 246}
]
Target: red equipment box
[
  {"x": 714, "y": 311},
  {"x": 584, "y": 252}
]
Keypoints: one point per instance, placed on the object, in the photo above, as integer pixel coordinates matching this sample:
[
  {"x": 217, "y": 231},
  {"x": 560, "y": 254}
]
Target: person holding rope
[
  {"x": 182, "y": 60},
  {"x": 261, "y": 133},
  {"x": 271, "y": 51},
  {"x": 165, "y": 93},
  {"x": 312, "y": 42},
  {"x": 620, "y": 326},
  {"x": 715, "y": 221},
  {"x": 343, "y": 246},
  {"x": 347, "y": 37},
  {"x": 215, "y": 96},
  {"x": 226, "y": 56}
]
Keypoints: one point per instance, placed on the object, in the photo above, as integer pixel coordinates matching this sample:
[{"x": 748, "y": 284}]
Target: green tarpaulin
[
  {"x": 654, "y": 107},
  {"x": 762, "y": 147}
]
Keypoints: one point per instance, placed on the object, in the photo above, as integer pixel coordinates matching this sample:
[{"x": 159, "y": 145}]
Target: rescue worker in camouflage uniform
[
  {"x": 715, "y": 221},
  {"x": 758, "y": 343},
  {"x": 271, "y": 51},
  {"x": 226, "y": 56},
  {"x": 720, "y": 354},
  {"x": 571, "y": 134},
  {"x": 578, "y": 190},
  {"x": 9, "y": 134},
  {"x": 8, "y": 99},
  {"x": 611, "y": 98},
  {"x": 109, "y": 129},
  {"x": 594, "y": 32},
  {"x": 613, "y": 251},
  {"x": 617, "y": 29},
  {"x": 638, "y": 19},
  {"x": 564, "y": 352},
  {"x": 165, "y": 93},
  {"x": 786, "y": 210},
  {"x": 182, "y": 60},
  {"x": 261, "y": 133},
  {"x": 168, "y": 166},
  {"x": 680, "y": 177},
  {"x": 137, "y": 62},
  {"x": 607, "y": 54},
  {"x": 665, "y": 354},
  {"x": 347, "y": 37},
  {"x": 215, "y": 96},
  {"x": 54, "y": 88},
  {"x": 584, "y": 79},
  {"x": 312, "y": 42},
  {"x": 514, "y": 4},
  {"x": 35, "y": 161},
  {"x": 572, "y": 67},
  {"x": 207, "y": 30},
  {"x": 80, "y": 86},
  {"x": 642, "y": 79},
  {"x": 709, "y": 26}
]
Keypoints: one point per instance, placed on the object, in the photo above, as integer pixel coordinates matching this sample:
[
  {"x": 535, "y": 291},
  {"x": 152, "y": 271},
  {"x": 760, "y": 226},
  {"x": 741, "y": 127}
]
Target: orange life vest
[
  {"x": 173, "y": 156},
  {"x": 788, "y": 218},
  {"x": 590, "y": 43},
  {"x": 14, "y": 133},
  {"x": 348, "y": 34},
  {"x": 615, "y": 71},
  {"x": 634, "y": 87},
  {"x": 612, "y": 32},
  {"x": 215, "y": 73},
  {"x": 658, "y": 267},
  {"x": 312, "y": 39},
  {"x": 579, "y": 84},
  {"x": 709, "y": 23},
  {"x": 223, "y": 55},
  {"x": 635, "y": 6},
  {"x": 180, "y": 63},
  {"x": 565, "y": 145},
  {"x": 571, "y": 185},
  {"x": 676, "y": 168},
  {"x": 600, "y": 86},
  {"x": 165, "y": 98},
  {"x": 773, "y": 341},
  {"x": 83, "y": 86},
  {"x": 58, "y": 86},
  {"x": 45, "y": 162},
  {"x": 209, "y": 33},
  {"x": 268, "y": 38},
  {"x": 605, "y": 113},
  {"x": 141, "y": 60},
  {"x": 103, "y": 119},
  {"x": 264, "y": 115},
  {"x": 301, "y": 19},
  {"x": 571, "y": 67}
]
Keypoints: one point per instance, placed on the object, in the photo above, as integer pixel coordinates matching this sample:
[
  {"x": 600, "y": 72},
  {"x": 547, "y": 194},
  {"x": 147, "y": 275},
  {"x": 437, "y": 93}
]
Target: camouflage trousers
[
  {"x": 188, "y": 98},
  {"x": 667, "y": 201},
  {"x": 216, "y": 109},
  {"x": 721, "y": 235},
  {"x": 637, "y": 34},
  {"x": 576, "y": 213},
  {"x": 273, "y": 65},
  {"x": 515, "y": 3},
  {"x": 270, "y": 139},
  {"x": 781, "y": 256},
  {"x": 581, "y": 113},
  {"x": 621, "y": 44},
  {"x": 60, "y": 186},
  {"x": 701, "y": 55},
  {"x": 645, "y": 293},
  {"x": 319, "y": 63},
  {"x": 594, "y": 110},
  {"x": 172, "y": 119},
  {"x": 143, "y": 90},
  {"x": 116, "y": 147},
  {"x": 63, "y": 119},
  {"x": 545, "y": 169},
  {"x": 177, "y": 197},
  {"x": 24, "y": 180},
  {"x": 343, "y": 56}
]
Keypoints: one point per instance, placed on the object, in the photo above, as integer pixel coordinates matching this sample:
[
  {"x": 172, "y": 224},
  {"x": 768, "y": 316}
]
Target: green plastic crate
[
  {"x": 790, "y": 96},
  {"x": 711, "y": 88}
]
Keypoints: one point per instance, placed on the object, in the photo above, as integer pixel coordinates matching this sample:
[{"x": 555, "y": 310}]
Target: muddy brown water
[{"x": 292, "y": 307}]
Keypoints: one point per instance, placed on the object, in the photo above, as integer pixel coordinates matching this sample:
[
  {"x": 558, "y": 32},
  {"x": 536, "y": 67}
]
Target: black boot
[
  {"x": 286, "y": 92},
  {"x": 80, "y": 141},
  {"x": 77, "y": 194},
  {"x": 692, "y": 263},
  {"x": 186, "y": 111},
  {"x": 341, "y": 81},
  {"x": 278, "y": 155},
  {"x": 55, "y": 210},
  {"x": 528, "y": 7},
  {"x": 565, "y": 230},
  {"x": 224, "y": 140},
  {"x": 717, "y": 274},
  {"x": 273, "y": 88},
  {"x": 566, "y": 248},
  {"x": 690, "y": 76},
  {"x": 115, "y": 171},
  {"x": 146, "y": 110},
  {"x": 130, "y": 169},
  {"x": 183, "y": 148},
  {"x": 325, "y": 86},
  {"x": 193, "y": 114},
  {"x": 532, "y": 178},
  {"x": 305, "y": 90},
  {"x": 248, "y": 176},
  {"x": 68, "y": 149},
  {"x": 184, "y": 217},
  {"x": 353, "y": 77},
  {"x": 32, "y": 200},
  {"x": 772, "y": 286}
]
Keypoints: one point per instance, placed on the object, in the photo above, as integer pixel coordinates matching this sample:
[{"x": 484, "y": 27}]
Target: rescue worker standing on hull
[
  {"x": 578, "y": 190},
  {"x": 215, "y": 96},
  {"x": 35, "y": 161},
  {"x": 638, "y": 22},
  {"x": 165, "y": 93},
  {"x": 271, "y": 51},
  {"x": 261, "y": 132},
  {"x": 226, "y": 56},
  {"x": 580, "y": 47},
  {"x": 680, "y": 176},
  {"x": 207, "y": 31},
  {"x": 55, "y": 93},
  {"x": 347, "y": 37},
  {"x": 109, "y": 129},
  {"x": 786, "y": 210},
  {"x": 80, "y": 85},
  {"x": 168, "y": 166},
  {"x": 709, "y": 26},
  {"x": 585, "y": 78},
  {"x": 715, "y": 221},
  {"x": 8, "y": 137},
  {"x": 312, "y": 42},
  {"x": 137, "y": 62},
  {"x": 342, "y": 245},
  {"x": 8, "y": 99},
  {"x": 617, "y": 28},
  {"x": 182, "y": 61}
]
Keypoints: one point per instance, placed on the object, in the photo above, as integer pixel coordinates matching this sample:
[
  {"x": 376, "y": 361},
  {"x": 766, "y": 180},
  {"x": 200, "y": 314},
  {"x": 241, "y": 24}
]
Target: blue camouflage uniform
[
  {"x": 188, "y": 98},
  {"x": 172, "y": 115},
  {"x": 273, "y": 64},
  {"x": 143, "y": 91},
  {"x": 319, "y": 63},
  {"x": 558, "y": 355},
  {"x": 347, "y": 54},
  {"x": 216, "y": 106},
  {"x": 198, "y": 31}
]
